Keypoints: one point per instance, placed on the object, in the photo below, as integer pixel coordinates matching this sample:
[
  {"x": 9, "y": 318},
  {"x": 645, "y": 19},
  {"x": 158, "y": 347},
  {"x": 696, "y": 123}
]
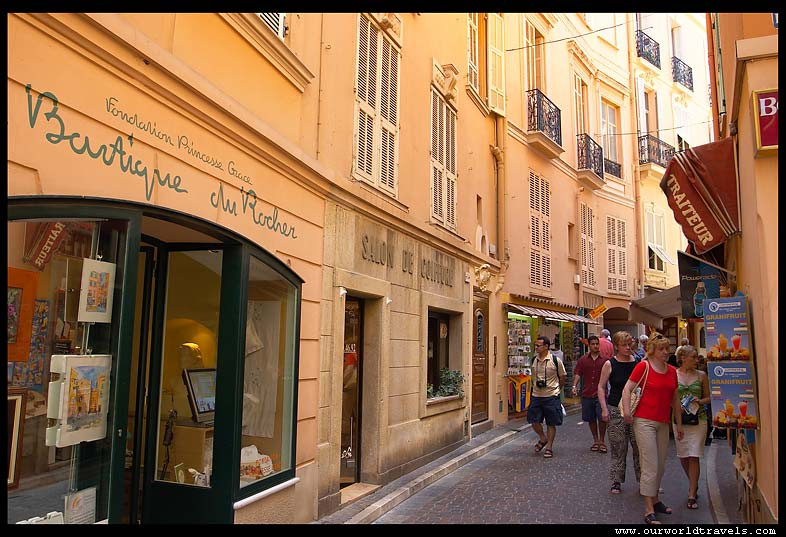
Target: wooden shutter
[
  {"x": 641, "y": 97},
  {"x": 274, "y": 21},
  {"x": 472, "y": 51},
  {"x": 540, "y": 231},
  {"x": 496, "y": 64},
  {"x": 611, "y": 243},
  {"x": 443, "y": 161},
  {"x": 587, "y": 247},
  {"x": 389, "y": 83},
  {"x": 450, "y": 167},
  {"x": 622, "y": 265},
  {"x": 617, "y": 261},
  {"x": 366, "y": 100}
]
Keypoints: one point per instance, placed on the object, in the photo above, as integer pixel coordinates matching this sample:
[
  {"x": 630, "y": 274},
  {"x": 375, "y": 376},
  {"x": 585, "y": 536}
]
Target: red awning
[{"x": 701, "y": 188}]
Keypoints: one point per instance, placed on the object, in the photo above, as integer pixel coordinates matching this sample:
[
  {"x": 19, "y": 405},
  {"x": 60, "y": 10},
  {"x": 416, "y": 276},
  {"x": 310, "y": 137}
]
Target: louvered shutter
[
  {"x": 274, "y": 21},
  {"x": 641, "y": 95},
  {"x": 611, "y": 243},
  {"x": 591, "y": 247},
  {"x": 540, "y": 230},
  {"x": 622, "y": 265},
  {"x": 472, "y": 50},
  {"x": 496, "y": 64},
  {"x": 389, "y": 116},
  {"x": 437, "y": 167},
  {"x": 450, "y": 167},
  {"x": 443, "y": 161},
  {"x": 366, "y": 100},
  {"x": 587, "y": 247}
]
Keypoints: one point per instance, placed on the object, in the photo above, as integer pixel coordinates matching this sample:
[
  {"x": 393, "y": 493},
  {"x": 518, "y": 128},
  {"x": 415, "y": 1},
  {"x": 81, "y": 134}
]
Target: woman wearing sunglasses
[{"x": 651, "y": 420}]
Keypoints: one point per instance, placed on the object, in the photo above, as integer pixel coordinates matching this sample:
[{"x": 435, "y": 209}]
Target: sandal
[
  {"x": 594, "y": 447},
  {"x": 615, "y": 488},
  {"x": 540, "y": 445},
  {"x": 692, "y": 504},
  {"x": 602, "y": 448},
  {"x": 661, "y": 508},
  {"x": 650, "y": 519},
  {"x": 548, "y": 454}
]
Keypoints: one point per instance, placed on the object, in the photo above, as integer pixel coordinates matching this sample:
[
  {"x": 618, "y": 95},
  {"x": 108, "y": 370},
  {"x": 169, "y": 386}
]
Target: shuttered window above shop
[
  {"x": 617, "y": 262},
  {"x": 443, "y": 161},
  {"x": 587, "y": 247},
  {"x": 540, "y": 231}
]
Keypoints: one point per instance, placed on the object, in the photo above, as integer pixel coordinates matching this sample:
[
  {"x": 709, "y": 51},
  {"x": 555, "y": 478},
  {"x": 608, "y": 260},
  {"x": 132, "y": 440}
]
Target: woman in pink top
[{"x": 651, "y": 420}]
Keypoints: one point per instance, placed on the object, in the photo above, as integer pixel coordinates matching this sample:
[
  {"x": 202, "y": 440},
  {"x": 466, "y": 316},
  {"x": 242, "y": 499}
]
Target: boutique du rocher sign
[{"x": 765, "y": 116}]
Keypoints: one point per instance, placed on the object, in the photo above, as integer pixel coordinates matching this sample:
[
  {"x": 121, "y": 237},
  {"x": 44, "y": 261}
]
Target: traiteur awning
[
  {"x": 652, "y": 309},
  {"x": 551, "y": 314}
]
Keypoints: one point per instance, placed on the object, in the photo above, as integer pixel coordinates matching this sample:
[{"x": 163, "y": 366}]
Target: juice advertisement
[
  {"x": 731, "y": 395},
  {"x": 726, "y": 325}
]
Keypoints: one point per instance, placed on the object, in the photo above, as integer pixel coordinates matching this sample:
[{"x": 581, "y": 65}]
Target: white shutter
[
  {"x": 587, "y": 247},
  {"x": 389, "y": 115},
  {"x": 676, "y": 42},
  {"x": 496, "y": 64},
  {"x": 540, "y": 231},
  {"x": 591, "y": 248},
  {"x": 275, "y": 21},
  {"x": 472, "y": 50},
  {"x": 622, "y": 265},
  {"x": 611, "y": 243},
  {"x": 450, "y": 167},
  {"x": 641, "y": 96},
  {"x": 366, "y": 101},
  {"x": 436, "y": 193}
]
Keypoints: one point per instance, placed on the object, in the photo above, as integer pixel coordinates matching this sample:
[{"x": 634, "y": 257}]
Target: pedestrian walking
[
  {"x": 693, "y": 389},
  {"x": 651, "y": 419},
  {"x": 616, "y": 372},
  {"x": 549, "y": 373},
  {"x": 588, "y": 369},
  {"x": 641, "y": 352},
  {"x": 606, "y": 348}
]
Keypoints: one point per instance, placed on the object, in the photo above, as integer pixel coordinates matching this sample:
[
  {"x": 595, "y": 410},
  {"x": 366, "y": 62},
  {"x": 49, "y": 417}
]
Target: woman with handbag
[
  {"x": 649, "y": 412},
  {"x": 693, "y": 390}
]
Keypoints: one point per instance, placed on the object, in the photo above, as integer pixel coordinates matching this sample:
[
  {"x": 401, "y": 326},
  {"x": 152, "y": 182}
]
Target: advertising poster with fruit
[
  {"x": 726, "y": 325},
  {"x": 731, "y": 395}
]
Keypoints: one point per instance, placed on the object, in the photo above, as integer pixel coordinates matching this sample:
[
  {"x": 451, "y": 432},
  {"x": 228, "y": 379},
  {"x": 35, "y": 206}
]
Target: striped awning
[{"x": 551, "y": 314}]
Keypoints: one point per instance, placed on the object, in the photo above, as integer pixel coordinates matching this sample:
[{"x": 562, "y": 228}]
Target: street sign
[{"x": 598, "y": 311}]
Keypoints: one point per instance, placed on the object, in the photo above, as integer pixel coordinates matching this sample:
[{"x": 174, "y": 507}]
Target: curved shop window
[{"x": 175, "y": 344}]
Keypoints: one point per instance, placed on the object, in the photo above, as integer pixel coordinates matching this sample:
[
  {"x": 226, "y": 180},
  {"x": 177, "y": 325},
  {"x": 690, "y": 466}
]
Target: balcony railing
[
  {"x": 544, "y": 116},
  {"x": 682, "y": 72},
  {"x": 647, "y": 48},
  {"x": 612, "y": 168},
  {"x": 655, "y": 150},
  {"x": 590, "y": 155}
]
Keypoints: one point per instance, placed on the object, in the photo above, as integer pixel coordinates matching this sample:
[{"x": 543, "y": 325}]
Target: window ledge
[
  {"x": 439, "y": 405},
  {"x": 265, "y": 493},
  {"x": 271, "y": 47},
  {"x": 379, "y": 193},
  {"x": 443, "y": 227},
  {"x": 475, "y": 98}
]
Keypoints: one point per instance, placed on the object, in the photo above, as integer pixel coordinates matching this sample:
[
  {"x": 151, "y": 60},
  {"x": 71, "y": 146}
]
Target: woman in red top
[{"x": 651, "y": 420}]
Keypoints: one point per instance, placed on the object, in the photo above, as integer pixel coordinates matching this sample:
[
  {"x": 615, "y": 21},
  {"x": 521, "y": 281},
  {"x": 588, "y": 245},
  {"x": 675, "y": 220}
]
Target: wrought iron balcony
[
  {"x": 590, "y": 155},
  {"x": 543, "y": 116},
  {"x": 655, "y": 150},
  {"x": 647, "y": 48},
  {"x": 682, "y": 72},
  {"x": 612, "y": 168}
]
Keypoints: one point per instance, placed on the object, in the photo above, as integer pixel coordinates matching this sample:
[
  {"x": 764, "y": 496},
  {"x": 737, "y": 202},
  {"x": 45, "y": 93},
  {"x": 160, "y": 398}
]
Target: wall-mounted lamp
[
  {"x": 342, "y": 291},
  {"x": 388, "y": 301}
]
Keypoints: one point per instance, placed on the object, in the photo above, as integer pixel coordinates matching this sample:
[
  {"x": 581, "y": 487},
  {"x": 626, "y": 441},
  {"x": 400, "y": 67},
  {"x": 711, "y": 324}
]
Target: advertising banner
[
  {"x": 699, "y": 282},
  {"x": 732, "y": 396},
  {"x": 727, "y": 328},
  {"x": 765, "y": 116}
]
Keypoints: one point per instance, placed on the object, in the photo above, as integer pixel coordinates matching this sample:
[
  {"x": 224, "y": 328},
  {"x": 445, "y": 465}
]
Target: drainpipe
[
  {"x": 578, "y": 221},
  {"x": 636, "y": 171},
  {"x": 498, "y": 150},
  {"x": 319, "y": 87}
]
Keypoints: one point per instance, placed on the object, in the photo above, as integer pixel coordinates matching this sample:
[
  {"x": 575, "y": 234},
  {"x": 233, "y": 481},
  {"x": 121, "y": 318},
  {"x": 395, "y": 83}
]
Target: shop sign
[
  {"x": 727, "y": 328},
  {"x": 699, "y": 282},
  {"x": 597, "y": 312},
  {"x": 765, "y": 117},
  {"x": 732, "y": 396}
]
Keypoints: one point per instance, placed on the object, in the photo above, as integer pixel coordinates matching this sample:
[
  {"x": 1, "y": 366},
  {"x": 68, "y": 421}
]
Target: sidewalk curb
[{"x": 392, "y": 499}]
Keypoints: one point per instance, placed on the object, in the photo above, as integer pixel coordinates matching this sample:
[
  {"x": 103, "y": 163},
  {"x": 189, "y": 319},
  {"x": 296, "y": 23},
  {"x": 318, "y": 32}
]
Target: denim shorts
[
  {"x": 590, "y": 409},
  {"x": 549, "y": 408}
]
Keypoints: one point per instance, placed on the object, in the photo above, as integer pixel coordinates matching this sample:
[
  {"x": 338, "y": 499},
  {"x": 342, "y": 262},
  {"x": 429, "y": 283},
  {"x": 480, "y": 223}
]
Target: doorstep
[
  {"x": 482, "y": 427},
  {"x": 353, "y": 493}
]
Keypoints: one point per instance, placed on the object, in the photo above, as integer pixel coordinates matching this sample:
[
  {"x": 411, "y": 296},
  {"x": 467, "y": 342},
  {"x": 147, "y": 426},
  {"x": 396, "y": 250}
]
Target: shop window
[
  {"x": 269, "y": 376},
  {"x": 443, "y": 353},
  {"x": 65, "y": 279}
]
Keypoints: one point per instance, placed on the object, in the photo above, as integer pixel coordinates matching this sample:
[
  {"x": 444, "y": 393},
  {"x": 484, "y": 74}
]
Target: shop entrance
[
  {"x": 351, "y": 393},
  {"x": 480, "y": 355}
]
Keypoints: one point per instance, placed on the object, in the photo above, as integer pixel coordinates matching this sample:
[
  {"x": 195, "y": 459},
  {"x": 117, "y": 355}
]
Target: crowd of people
[{"x": 637, "y": 396}]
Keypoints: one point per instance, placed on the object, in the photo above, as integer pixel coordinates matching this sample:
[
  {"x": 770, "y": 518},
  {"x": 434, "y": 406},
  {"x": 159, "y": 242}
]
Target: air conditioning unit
[{"x": 576, "y": 279}]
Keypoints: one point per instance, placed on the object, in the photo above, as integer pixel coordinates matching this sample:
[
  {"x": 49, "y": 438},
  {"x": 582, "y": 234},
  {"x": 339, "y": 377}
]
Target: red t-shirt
[
  {"x": 658, "y": 393},
  {"x": 606, "y": 348}
]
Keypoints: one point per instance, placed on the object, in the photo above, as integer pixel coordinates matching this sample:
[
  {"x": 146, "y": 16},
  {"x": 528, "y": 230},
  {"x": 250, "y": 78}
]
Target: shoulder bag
[{"x": 637, "y": 392}]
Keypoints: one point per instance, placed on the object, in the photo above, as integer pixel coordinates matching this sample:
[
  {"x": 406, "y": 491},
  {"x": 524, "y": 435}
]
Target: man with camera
[{"x": 549, "y": 373}]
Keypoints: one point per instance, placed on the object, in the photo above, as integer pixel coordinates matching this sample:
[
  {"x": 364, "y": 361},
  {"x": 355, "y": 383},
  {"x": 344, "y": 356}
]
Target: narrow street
[{"x": 512, "y": 484}]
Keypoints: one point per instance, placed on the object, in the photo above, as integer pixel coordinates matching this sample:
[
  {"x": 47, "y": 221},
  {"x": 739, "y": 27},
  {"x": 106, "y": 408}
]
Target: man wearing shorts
[
  {"x": 548, "y": 374},
  {"x": 588, "y": 368}
]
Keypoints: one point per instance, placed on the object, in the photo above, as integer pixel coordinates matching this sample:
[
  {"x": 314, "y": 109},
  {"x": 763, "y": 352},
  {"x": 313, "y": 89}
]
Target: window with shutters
[
  {"x": 608, "y": 126},
  {"x": 276, "y": 22},
  {"x": 587, "y": 247},
  {"x": 657, "y": 257},
  {"x": 580, "y": 104},
  {"x": 443, "y": 161},
  {"x": 540, "y": 231},
  {"x": 616, "y": 238},
  {"x": 496, "y": 63},
  {"x": 376, "y": 108},
  {"x": 533, "y": 40},
  {"x": 473, "y": 47}
]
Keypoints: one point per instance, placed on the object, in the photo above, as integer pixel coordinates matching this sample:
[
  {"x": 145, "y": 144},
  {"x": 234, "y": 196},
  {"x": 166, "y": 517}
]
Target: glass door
[{"x": 350, "y": 407}]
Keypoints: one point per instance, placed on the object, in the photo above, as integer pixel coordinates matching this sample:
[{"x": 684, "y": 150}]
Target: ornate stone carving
[{"x": 483, "y": 277}]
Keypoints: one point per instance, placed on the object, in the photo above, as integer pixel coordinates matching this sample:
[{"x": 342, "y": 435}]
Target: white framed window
[
  {"x": 473, "y": 42},
  {"x": 443, "y": 161},
  {"x": 276, "y": 22},
  {"x": 580, "y": 103},
  {"x": 657, "y": 257},
  {"x": 587, "y": 246},
  {"x": 608, "y": 128},
  {"x": 376, "y": 108},
  {"x": 616, "y": 238},
  {"x": 533, "y": 39},
  {"x": 496, "y": 63},
  {"x": 540, "y": 231}
]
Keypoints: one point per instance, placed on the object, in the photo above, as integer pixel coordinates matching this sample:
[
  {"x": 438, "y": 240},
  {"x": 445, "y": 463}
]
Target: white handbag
[{"x": 637, "y": 392}]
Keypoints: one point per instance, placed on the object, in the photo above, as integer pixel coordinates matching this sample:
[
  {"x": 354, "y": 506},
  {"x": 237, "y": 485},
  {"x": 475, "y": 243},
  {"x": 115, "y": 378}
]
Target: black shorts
[{"x": 549, "y": 408}]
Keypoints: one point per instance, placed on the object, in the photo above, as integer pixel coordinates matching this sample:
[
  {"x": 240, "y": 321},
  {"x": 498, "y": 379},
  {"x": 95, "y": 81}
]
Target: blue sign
[
  {"x": 732, "y": 396},
  {"x": 726, "y": 325},
  {"x": 699, "y": 282}
]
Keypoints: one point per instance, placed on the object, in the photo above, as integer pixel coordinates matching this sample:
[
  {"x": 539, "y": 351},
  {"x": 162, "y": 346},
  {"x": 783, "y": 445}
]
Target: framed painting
[
  {"x": 97, "y": 290},
  {"x": 84, "y": 397},
  {"x": 17, "y": 400},
  {"x": 22, "y": 288}
]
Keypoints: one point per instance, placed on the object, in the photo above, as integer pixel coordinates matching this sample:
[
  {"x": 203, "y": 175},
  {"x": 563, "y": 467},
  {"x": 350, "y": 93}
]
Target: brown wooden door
[{"x": 480, "y": 358}]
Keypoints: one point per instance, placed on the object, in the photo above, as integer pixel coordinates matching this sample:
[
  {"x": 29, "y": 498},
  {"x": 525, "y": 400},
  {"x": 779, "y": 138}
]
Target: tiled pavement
[{"x": 506, "y": 482}]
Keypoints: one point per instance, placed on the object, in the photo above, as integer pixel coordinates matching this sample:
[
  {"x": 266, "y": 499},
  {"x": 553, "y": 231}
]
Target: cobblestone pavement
[{"x": 512, "y": 484}]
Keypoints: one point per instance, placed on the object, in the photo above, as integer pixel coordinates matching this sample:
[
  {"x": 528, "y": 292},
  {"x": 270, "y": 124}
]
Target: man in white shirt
[{"x": 549, "y": 376}]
